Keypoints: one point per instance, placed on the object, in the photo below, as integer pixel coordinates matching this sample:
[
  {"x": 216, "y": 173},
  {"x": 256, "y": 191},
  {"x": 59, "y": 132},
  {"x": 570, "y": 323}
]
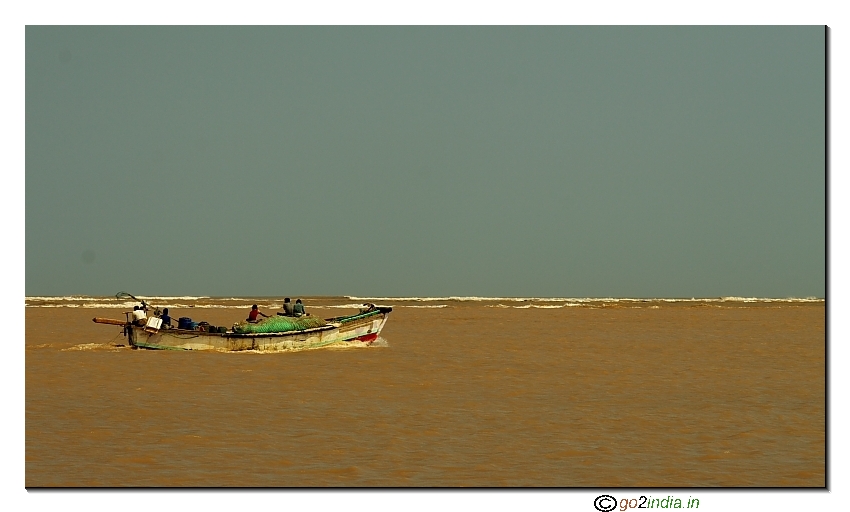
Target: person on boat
[
  {"x": 367, "y": 307},
  {"x": 166, "y": 320},
  {"x": 139, "y": 316},
  {"x": 287, "y": 308},
  {"x": 298, "y": 309},
  {"x": 255, "y": 311}
]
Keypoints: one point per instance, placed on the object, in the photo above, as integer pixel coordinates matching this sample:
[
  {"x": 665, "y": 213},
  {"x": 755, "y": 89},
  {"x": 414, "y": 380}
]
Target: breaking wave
[
  {"x": 89, "y": 297},
  {"x": 587, "y": 299},
  {"x": 201, "y": 302},
  {"x": 462, "y": 299}
]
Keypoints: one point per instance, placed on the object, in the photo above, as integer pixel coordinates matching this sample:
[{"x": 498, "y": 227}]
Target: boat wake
[
  {"x": 347, "y": 345},
  {"x": 380, "y": 342},
  {"x": 342, "y": 345},
  {"x": 95, "y": 346}
]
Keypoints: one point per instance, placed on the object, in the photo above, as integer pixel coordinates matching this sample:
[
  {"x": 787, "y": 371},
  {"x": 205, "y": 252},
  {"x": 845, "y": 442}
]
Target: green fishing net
[{"x": 279, "y": 324}]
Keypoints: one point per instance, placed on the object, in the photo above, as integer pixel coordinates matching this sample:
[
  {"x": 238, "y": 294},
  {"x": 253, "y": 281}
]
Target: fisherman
[
  {"x": 252, "y": 316},
  {"x": 287, "y": 308},
  {"x": 139, "y": 316},
  {"x": 166, "y": 320},
  {"x": 298, "y": 309},
  {"x": 367, "y": 307}
]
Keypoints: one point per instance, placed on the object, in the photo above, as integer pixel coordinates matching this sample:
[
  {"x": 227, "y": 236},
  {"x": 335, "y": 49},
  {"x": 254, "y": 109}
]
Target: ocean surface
[{"x": 457, "y": 392}]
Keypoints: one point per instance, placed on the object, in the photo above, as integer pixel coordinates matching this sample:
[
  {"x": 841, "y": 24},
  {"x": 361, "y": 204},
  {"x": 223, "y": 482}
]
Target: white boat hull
[{"x": 364, "y": 328}]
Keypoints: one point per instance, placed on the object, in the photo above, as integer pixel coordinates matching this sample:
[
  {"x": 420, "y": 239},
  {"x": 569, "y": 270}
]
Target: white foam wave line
[
  {"x": 89, "y": 297},
  {"x": 461, "y": 299},
  {"x": 153, "y": 298},
  {"x": 170, "y": 306},
  {"x": 540, "y": 306},
  {"x": 587, "y": 299},
  {"x": 124, "y": 305},
  {"x": 494, "y": 299},
  {"x": 67, "y": 298},
  {"x": 129, "y": 306},
  {"x": 158, "y": 301},
  {"x": 78, "y": 298}
]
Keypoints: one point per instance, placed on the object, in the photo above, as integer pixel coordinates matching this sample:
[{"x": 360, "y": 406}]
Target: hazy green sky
[{"x": 413, "y": 161}]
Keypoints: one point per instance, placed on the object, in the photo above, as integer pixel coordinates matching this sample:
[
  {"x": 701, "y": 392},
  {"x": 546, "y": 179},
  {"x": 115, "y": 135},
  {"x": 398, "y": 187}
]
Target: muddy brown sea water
[{"x": 472, "y": 394}]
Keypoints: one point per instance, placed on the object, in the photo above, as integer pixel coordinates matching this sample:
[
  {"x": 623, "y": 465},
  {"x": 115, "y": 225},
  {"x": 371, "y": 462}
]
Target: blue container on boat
[{"x": 184, "y": 322}]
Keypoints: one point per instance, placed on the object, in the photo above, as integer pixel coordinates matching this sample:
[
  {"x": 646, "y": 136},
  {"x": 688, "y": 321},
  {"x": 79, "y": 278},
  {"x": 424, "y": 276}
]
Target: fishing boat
[{"x": 363, "y": 327}]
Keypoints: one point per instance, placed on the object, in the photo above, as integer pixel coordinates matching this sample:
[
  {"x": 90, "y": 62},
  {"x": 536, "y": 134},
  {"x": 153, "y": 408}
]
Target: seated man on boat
[
  {"x": 166, "y": 320},
  {"x": 255, "y": 311},
  {"x": 139, "y": 316},
  {"x": 367, "y": 307},
  {"x": 288, "y": 310},
  {"x": 298, "y": 309}
]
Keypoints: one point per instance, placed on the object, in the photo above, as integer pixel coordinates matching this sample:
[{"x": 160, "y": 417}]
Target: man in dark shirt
[
  {"x": 166, "y": 320},
  {"x": 287, "y": 308},
  {"x": 298, "y": 309}
]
